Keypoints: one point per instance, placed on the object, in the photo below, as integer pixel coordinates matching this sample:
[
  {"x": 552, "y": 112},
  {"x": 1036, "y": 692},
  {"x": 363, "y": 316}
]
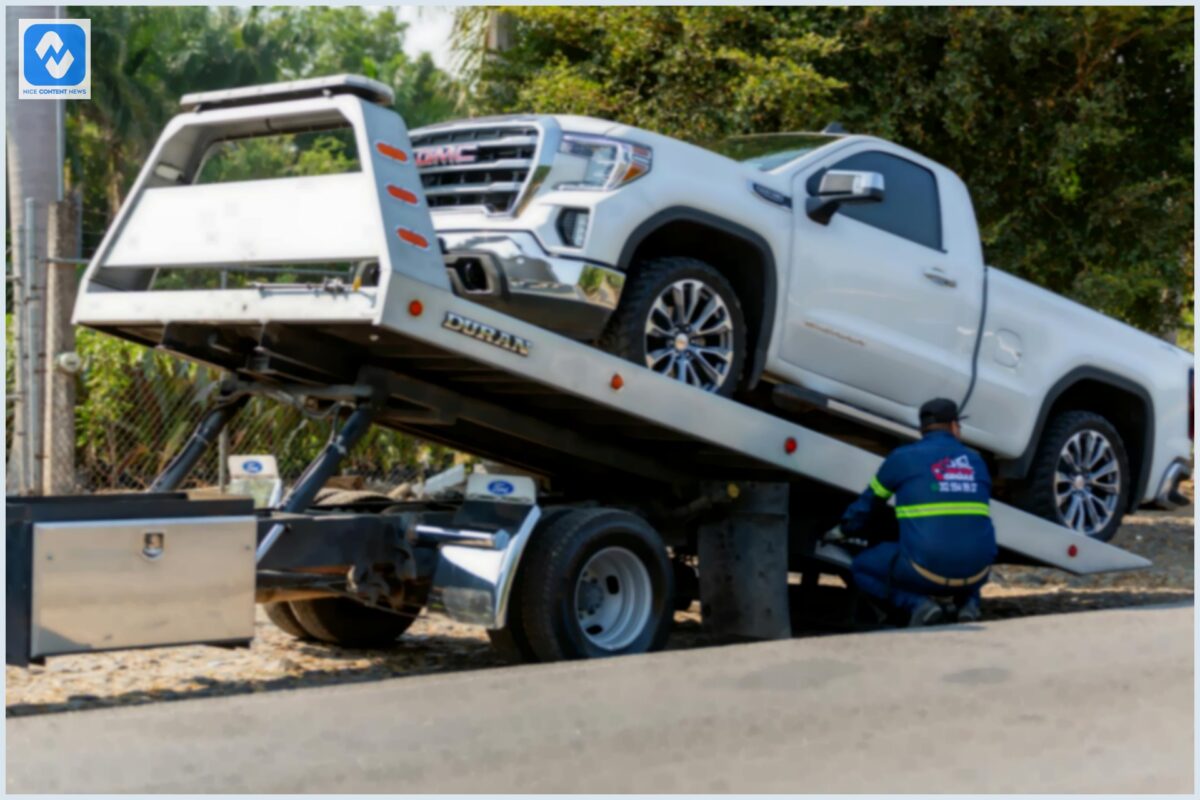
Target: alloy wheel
[
  {"x": 690, "y": 336},
  {"x": 1087, "y": 482}
]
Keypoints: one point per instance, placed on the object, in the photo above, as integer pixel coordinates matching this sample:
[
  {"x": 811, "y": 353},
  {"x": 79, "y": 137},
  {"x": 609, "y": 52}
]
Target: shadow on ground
[{"x": 423, "y": 655}]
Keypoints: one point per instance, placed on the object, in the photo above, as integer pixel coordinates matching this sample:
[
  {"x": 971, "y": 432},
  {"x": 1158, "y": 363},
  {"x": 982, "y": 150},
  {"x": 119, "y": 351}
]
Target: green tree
[{"x": 694, "y": 72}]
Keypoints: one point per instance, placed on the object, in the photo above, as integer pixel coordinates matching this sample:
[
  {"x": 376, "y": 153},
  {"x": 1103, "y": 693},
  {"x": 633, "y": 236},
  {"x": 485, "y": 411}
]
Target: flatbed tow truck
[{"x": 624, "y": 480}]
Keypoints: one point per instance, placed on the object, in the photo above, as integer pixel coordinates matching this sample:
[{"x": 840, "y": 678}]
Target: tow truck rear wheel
[
  {"x": 680, "y": 317},
  {"x": 281, "y": 614},
  {"x": 596, "y": 582},
  {"x": 340, "y": 621}
]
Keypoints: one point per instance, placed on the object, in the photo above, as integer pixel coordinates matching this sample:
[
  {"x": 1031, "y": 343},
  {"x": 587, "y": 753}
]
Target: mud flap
[{"x": 744, "y": 566}]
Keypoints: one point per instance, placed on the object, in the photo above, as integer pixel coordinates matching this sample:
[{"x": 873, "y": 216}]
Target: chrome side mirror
[{"x": 843, "y": 186}]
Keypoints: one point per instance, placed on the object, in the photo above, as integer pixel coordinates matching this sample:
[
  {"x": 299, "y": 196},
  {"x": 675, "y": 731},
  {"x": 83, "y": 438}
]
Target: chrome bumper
[
  {"x": 511, "y": 272},
  {"x": 1168, "y": 495}
]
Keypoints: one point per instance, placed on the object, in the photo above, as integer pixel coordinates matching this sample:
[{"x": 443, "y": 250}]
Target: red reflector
[
  {"x": 789, "y": 446},
  {"x": 391, "y": 152},
  {"x": 402, "y": 194},
  {"x": 617, "y": 381},
  {"x": 412, "y": 237},
  {"x": 1072, "y": 551},
  {"x": 416, "y": 308}
]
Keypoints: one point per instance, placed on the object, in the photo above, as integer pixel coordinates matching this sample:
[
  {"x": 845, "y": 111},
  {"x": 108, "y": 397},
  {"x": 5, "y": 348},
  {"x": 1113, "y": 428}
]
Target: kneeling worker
[{"x": 946, "y": 540}]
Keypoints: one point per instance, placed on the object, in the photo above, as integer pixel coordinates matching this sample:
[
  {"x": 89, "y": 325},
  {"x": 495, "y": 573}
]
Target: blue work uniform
[{"x": 946, "y": 540}]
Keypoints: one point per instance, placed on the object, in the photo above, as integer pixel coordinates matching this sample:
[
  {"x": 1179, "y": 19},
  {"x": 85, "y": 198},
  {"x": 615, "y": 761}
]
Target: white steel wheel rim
[
  {"x": 614, "y": 598},
  {"x": 689, "y": 335},
  {"x": 1087, "y": 482}
]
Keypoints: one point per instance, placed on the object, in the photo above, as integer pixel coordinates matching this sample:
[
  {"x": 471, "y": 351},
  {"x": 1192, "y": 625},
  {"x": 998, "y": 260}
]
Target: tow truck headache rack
[{"x": 743, "y": 489}]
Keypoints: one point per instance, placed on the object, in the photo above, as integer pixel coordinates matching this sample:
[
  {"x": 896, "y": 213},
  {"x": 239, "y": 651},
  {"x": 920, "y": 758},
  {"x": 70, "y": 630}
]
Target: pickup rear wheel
[
  {"x": 680, "y": 317},
  {"x": 596, "y": 582},
  {"x": 1080, "y": 476}
]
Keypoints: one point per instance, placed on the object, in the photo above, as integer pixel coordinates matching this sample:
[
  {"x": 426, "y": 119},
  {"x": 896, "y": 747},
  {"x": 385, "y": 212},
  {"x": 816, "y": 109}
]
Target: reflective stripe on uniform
[
  {"x": 938, "y": 579},
  {"x": 942, "y": 510},
  {"x": 879, "y": 489}
]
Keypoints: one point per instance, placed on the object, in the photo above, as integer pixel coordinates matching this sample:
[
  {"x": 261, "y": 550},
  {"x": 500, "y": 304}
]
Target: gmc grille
[{"x": 495, "y": 179}]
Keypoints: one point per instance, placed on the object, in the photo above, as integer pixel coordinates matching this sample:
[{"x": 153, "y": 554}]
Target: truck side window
[{"x": 910, "y": 203}]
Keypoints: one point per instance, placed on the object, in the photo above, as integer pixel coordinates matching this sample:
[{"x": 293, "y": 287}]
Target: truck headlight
[{"x": 600, "y": 163}]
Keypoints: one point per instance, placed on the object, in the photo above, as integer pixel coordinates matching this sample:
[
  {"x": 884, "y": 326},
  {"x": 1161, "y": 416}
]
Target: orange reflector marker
[
  {"x": 1072, "y": 551},
  {"x": 391, "y": 152},
  {"x": 789, "y": 446},
  {"x": 413, "y": 238},
  {"x": 416, "y": 308},
  {"x": 617, "y": 381},
  {"x": 402, "y": 194}
]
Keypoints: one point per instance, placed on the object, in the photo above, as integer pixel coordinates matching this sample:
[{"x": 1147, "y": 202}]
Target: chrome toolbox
[{"x": 103, "y": 572}]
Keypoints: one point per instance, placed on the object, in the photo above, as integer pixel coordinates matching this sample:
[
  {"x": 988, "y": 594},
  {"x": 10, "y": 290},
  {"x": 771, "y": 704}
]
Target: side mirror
[{"x": 841, "y": 186}]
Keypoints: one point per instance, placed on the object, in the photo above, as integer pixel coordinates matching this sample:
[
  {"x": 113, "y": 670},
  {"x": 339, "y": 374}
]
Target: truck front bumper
[{"x": 509, "y": 271}]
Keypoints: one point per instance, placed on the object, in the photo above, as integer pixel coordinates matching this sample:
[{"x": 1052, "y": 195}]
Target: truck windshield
[{"x": 768, "y": 151}]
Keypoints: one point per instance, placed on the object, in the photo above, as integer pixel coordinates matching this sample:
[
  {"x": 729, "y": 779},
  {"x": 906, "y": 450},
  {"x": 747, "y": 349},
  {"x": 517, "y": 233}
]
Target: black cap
[{"x": 939, "y": 410}]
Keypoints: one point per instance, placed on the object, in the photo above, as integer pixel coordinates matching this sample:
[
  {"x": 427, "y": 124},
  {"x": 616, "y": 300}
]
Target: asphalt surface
[{"x": 1091, "y": 702}]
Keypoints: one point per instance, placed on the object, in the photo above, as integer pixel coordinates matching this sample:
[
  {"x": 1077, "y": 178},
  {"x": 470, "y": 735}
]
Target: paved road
[{"x": 1088, "y": 702}]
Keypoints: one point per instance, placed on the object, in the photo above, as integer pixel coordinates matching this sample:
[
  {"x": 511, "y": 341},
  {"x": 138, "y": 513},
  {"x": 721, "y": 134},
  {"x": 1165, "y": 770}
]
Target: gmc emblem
[{"x": 445, "y": 155}]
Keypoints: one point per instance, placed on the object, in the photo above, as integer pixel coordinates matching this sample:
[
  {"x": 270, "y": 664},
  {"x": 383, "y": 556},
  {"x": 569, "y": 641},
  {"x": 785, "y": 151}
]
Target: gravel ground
[{"x": 275, "y": 661}]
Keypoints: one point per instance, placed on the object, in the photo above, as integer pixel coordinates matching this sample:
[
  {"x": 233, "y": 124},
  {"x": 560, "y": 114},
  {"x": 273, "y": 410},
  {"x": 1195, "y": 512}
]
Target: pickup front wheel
[
  {"x": 681, "y": 318},
  {"x": 1080, "y": 477}
]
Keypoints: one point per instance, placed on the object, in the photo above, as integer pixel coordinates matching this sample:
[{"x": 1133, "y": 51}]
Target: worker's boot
[
  {"x": 969, "y": 611},
  {"x": 929, "y": 612}
]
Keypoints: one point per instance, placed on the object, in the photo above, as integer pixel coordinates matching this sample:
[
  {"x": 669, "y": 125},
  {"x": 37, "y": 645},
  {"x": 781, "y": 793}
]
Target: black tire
[
  {"x": 283, "y": 618},
  {"x": 336, "y": 498},
  {"x": 511, "y": 642},
  {"x": 341, "y": 621},
  {"x": 1037, "y": 492},
  {"x": 625, "y": 334},
  {"x": 553, "y": 563}
]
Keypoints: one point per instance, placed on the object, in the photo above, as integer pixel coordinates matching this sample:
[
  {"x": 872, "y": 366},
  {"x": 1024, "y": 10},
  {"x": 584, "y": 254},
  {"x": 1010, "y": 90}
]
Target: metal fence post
[
  {"x": 62, "y": 251},
  {"x": 31, "y": 479},
  {"x": 18, "y": 465}
]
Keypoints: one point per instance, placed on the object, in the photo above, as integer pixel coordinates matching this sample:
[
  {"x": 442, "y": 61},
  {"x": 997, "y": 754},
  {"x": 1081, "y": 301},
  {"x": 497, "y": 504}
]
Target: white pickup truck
[{"x": 841, "y": 267}]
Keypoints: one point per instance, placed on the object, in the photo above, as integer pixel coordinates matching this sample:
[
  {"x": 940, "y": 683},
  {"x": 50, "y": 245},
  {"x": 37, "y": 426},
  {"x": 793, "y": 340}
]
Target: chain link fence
[{"x": 136, "y": 407}]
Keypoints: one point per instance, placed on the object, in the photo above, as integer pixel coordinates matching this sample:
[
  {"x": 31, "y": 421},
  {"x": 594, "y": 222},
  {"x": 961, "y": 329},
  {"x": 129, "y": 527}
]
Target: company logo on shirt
[{"x": 954, "y": 475}]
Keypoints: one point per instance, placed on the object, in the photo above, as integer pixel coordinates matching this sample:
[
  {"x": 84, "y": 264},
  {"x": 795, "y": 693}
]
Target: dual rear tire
[
  {"x": 592, "y": 583},
  {"x": 340, "y": 621}
]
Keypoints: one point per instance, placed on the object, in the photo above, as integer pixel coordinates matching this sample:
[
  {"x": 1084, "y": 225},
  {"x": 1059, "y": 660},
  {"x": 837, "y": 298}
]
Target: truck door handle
[{"x": 939, "y": 277}]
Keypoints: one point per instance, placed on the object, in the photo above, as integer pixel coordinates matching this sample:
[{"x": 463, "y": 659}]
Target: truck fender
[
  {"x": 1019, "y": 467},
  {"x": 762, "y": 339}
]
